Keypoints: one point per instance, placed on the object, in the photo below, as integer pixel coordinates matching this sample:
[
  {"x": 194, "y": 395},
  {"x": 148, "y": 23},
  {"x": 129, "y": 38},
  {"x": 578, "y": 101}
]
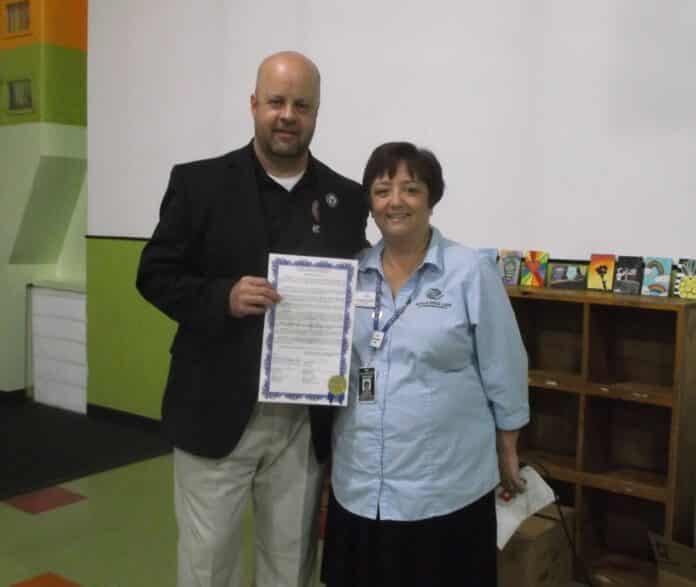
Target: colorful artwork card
[
  {"x": 534, "y": 266},
  {"x": 567, "y": 275},
  {"x": 600, "y": 275},
  {"x": 510, "y": 262},
  {"x": 629, "y": 275},
  {"x": 656, "y": 276},
  {"x": 685, "y": 279}
]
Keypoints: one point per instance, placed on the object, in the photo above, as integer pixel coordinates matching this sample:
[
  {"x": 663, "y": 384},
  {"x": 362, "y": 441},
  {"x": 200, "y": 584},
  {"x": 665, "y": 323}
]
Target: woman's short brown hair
[{"x": 421, "y": 164}]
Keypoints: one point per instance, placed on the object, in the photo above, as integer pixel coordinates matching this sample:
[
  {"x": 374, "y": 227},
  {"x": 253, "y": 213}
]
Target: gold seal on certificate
[{"x": 337, "y": 385}]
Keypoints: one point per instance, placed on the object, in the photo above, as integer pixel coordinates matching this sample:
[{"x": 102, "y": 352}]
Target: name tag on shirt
[{"x": 365, "y": 299}]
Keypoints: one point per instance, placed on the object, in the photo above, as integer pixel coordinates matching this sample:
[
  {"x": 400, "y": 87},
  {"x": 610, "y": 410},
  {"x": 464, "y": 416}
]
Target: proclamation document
[{"x": 307, "y": 336}]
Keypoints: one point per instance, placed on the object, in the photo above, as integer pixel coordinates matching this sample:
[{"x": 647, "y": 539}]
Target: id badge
[{"x": 366, "y": 385}]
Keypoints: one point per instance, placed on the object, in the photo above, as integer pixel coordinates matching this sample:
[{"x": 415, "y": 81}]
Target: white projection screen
[{"x": 568, "y": 126}]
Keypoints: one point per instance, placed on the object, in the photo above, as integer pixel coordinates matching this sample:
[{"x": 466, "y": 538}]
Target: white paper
[
  {"x": 512, "y": 513},
  {"x": 307, "y": 336}
]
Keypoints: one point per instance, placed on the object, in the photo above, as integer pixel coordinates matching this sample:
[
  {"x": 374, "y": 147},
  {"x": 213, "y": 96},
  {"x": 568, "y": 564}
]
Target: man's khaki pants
[{"x": 273, "y": 463}]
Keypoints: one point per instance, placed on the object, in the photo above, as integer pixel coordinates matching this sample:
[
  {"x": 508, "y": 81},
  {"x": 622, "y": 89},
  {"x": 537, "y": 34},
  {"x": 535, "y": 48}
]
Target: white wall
[
  {"x": 562, "y": 125},
  {"x": 154, "y": 97}
]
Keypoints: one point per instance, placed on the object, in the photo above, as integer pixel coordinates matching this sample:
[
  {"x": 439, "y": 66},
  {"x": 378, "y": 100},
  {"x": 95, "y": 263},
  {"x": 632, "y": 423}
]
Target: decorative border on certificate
[{"x": 336, "y": 388}]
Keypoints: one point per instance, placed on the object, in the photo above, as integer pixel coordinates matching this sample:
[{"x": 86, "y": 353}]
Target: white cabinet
[{"x": 59, "y": 347}]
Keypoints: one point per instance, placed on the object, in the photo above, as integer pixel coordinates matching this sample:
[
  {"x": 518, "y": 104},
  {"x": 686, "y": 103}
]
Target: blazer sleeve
[{"x": 170, "y": 274}]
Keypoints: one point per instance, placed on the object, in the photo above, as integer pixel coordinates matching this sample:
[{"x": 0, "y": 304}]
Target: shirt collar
[
  {"x": 263, "y": 177},
  {"x": 434, "y": 256}
]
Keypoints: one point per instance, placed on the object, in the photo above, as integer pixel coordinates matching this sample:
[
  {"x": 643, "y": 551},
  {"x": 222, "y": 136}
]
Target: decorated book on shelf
[
  {"x": 600, "y": 275},
  {"x": 534, "y": 265},
  {"x": 685, "y": 279},
  {"x": 491, "y": 253},
  {"x": 509, "y": 263},
  {"x": 629, "y": 275},
  {"x": 656, "y": 276},
  {"x": 567, "y": 275}
]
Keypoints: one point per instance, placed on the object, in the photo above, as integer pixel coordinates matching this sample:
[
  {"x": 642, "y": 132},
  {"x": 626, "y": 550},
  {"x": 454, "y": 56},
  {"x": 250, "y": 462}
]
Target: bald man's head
[
  {"x": 285, "y": 60},
  {"x": 284, "y": 106}
]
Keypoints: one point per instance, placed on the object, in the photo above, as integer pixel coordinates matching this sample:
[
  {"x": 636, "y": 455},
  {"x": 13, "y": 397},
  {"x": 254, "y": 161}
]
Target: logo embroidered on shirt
[
  {"x": 434, "y": 296},
  {"x": 433, "y": 293}
]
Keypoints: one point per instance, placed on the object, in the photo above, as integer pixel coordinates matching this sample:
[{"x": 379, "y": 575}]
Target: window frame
[
  {"x": 4, "y": 24},
  {"x": 7, "y": 90}
]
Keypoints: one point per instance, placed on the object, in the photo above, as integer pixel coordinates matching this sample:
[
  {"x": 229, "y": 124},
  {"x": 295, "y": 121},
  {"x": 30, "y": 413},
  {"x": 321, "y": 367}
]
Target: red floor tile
[
  {"x": 44, "y": 500},
  {"x": 46, "y": 580}
]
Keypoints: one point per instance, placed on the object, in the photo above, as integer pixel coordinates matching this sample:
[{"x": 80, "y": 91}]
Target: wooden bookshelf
[{"x": 612, "y": 382}]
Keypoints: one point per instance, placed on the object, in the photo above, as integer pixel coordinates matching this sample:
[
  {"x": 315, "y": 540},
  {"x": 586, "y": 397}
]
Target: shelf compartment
[
  {"x": 632, "y": 346},
  {"x": 551, "y": 465},
  {"x": 550, "y": 438},
  {"x": 566, "y": 382},
  {"x": 626, "y": 448},
  {"x": 642, "y": 484},
  {"x": 552, "y": 333},
  {"x": 615, "y": 524},
  {"x": 644, "y": 393}
]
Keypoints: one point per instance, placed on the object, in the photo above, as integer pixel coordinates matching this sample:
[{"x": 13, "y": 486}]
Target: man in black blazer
[{"x": 204, "y": 267}]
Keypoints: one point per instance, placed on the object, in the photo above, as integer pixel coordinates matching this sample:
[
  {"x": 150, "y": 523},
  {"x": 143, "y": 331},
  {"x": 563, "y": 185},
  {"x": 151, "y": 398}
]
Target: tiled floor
[
  {"x": 47, "y": 580},
  {"x": 114, "y": 529},
  {"x": 45, "y": 500},
  {"x": 122, "y": 534}
]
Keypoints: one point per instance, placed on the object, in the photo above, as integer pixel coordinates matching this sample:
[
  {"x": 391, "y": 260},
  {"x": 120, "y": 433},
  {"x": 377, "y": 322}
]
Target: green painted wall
[
  {"x": 51, "y": 136},
  {"x": 64, "y": 88},
  {"x": 59, "y": 83},
  {"x": 127, "y": 339},
  {"x": 72, "y": 264},
  {"x": 49, "y": 210},
  {"x": 21, "y": 149},
  {"x": 19, "y": 153},
  {"x": 20, "y": 63}
]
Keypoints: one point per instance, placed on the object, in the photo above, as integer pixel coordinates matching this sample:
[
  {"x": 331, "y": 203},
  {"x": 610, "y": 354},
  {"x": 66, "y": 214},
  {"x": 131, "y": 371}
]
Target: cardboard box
[
  {"x": 538, "y": 554},
  {"x": 676, "y": 563}
]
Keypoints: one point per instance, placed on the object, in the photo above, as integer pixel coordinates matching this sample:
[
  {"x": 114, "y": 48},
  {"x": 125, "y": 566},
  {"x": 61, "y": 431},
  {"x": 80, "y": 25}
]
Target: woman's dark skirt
[{"x": 455, "y": 549}]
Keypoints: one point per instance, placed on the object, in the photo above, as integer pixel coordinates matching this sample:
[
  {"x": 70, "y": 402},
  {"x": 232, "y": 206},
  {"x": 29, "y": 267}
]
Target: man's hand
[{"x": 251, "y": 296}]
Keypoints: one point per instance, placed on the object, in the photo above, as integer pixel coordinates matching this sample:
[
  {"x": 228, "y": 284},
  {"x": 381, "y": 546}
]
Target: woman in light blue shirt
[{"x": 438, "y": 394}]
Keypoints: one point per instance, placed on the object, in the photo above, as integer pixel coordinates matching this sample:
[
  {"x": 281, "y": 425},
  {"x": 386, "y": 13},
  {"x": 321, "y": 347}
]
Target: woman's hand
[{"x": 509, "y": 464}]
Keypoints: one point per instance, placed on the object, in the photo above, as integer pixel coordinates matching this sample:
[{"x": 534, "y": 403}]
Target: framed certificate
[{"x": 306, "y": 351}]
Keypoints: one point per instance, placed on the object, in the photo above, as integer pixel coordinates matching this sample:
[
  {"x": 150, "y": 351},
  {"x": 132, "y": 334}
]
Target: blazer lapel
[{"x": 242, "y": 186}]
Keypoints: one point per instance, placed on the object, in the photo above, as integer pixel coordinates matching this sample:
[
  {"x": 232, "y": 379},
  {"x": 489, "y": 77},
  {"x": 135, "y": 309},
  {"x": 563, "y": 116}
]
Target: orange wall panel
[
  {"x": 33, "y": 35},
  {"x": 56, "y": 22},
  {"x": 65, "y": 23}
]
